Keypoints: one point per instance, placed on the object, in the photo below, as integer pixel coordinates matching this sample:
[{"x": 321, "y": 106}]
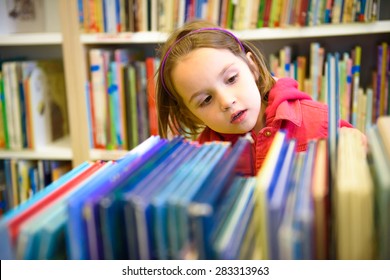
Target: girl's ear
[{"x": 252, "y": 64}]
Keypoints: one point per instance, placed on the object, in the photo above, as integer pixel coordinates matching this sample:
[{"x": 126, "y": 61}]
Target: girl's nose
[{"x": 226, "y": 101}]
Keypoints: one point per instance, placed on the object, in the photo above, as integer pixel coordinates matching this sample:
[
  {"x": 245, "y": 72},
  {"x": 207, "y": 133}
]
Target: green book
[{"x": 4, "y": 142}]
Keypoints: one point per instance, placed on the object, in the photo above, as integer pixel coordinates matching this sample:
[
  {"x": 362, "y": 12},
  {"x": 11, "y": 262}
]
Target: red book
[
  {"x": 267, "y": 13},
  {"x": 151, "y": 89},
  {"x": 15, "y": 224}
]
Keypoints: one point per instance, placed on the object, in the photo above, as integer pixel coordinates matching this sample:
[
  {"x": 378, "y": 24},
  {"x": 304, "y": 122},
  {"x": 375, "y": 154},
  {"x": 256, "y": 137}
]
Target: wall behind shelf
[
  {"x": 51, "y": 20},
  {"x": 31, "y": 52}
]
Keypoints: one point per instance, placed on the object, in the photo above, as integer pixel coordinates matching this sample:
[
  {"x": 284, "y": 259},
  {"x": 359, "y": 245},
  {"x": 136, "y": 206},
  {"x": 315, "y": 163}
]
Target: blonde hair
[{"x": 173, "y": 115}]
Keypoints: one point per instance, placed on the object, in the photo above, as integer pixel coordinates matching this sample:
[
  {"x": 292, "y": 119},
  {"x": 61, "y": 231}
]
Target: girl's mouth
[{"x": 238, "y": 117}]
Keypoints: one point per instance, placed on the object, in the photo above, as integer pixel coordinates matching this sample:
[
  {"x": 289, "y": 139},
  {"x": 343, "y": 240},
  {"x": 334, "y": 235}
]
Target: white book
[{"x": 99, "y": 93}]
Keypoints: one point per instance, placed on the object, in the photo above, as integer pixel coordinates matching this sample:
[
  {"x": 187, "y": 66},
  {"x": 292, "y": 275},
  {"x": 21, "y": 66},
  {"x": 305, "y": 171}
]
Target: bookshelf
[
  {"x": 72, "y": 45},
  {"x": 45, "y": 44},
  {"x": 335, "y": 37},
  {"x": 31, "y": 39},
  {"x": 58, "y": 150}
]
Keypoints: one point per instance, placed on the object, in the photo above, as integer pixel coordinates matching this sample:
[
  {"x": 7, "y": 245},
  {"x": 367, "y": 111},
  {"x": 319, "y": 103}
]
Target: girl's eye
[
  {"x": 206, "y": 101},
  {"x": 232, "y": 79}
]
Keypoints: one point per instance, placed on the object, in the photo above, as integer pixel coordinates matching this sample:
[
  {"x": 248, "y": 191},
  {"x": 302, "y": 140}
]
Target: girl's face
[{"x": 219, "y": 89}]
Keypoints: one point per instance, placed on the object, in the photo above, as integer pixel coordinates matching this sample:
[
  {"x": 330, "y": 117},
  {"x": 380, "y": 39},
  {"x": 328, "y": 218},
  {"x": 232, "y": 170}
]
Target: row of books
[
  {"x": 114, "y": 16},
  {"x": 359, "y": 106},
  {"x": 33, "y": 108},
  {"x": 20, "y": 179},
  {"x": 120, "y": 98},
  {"x": 177, "y": 199}
]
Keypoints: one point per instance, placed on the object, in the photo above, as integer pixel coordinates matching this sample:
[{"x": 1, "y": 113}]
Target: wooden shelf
[
  {"x": 59, "y": 150},
  {"x": 31, "y": 39},
  {"x": 98, "y": 154},
  {"x": 120, "y": 38},
  {"x": 328, "y": 30}
]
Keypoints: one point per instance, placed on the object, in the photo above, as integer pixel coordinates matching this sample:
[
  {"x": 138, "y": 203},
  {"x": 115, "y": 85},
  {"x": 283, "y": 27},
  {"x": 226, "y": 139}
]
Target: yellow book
[
  {"x": 384, "y": 130},
  {"x": 264, "y": 180},
  {"x": 353, "y": 198},
  {"x": 382, "y": 85},
  {"x": 320, "y": 193}
]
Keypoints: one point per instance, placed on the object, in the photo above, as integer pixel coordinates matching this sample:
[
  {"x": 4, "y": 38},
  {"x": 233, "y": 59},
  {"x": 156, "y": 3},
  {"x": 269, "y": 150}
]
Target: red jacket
[{"x": 289, "y": 109}]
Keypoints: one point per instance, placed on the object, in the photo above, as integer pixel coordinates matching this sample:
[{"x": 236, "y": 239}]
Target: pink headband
[{"x": 190, "y": 33}]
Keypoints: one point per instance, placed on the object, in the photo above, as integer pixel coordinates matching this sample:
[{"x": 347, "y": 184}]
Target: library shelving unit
[
  {"x": 34, "y": 46},
  {"x": 334, "y": 37}
]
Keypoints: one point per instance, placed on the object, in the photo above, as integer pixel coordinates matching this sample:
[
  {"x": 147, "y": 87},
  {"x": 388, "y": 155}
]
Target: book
[
  {"x": 38, "y": 237},
  {"x": 138, "y": 203},
  {"x": 383, "y": 124},
  {"x": 77, "y": 227},
  {"x": 228, "y": 199},
  {"x": 203, "y": 207},
  {"x": 11, "y": 76},
  {"x": 303, "y": 217},
  {"x": 227, "y": 243},
  {"x": 277, "y": 201},
  {"x": 333, "y": 94},
  {"x": 321, "y": 201},
  {"x": 131, "y": 105},
  {"x": 265, "y": 184},
  {"x": 106, "y": 205},
  {"x": 354, "y": 196},
  {"x": 23, "y": 179},
  {"x": 122, "y": 59},
  {"x": 99, "y": 59},
  {"x": 142, "y": 102},
  {"x": 14, "y": 224},
  {"x": 381, "y": 166},
  {"x": 44, "y": 87},
  {"x": 285, "y": 235},
  {"x": 151, "y": 66},
  {"x": 6, "y": 242},
  {"x": 160, "y": 203},
  {"x": 44, "y": 236},
  {"x": 178, "y": 221}
]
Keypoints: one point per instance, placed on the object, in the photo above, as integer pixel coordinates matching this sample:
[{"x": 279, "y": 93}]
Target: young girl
[{"x": 210, "y": 82}]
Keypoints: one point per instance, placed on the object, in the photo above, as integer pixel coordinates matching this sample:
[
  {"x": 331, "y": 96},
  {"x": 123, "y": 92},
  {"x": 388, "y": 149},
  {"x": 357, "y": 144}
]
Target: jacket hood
[{"x": 285, "y": 89}]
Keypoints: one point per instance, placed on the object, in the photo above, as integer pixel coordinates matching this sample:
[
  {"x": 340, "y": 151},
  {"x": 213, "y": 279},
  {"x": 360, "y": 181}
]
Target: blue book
[
  {"x": 75, "y": 228},
  {"x": 179, "y": 201},
  {"x": 265, "y": 186},
  {"x": 285, "y": 234},
  {"x": 303, "y": 217},
  {"x": 333, "y": 110},
  {"x": 29, "y": 240},
  {"x": 227, "y": 200},
  {"x": 53, "y": 238},
  {"x": 7, "y": 251},
  {"x": 76, "y": 224},
  {"x": 227, "y": 244},
  {"x": 204, "y": 204},
  {"x": 137, "y": 203},
  {"x": 160, "y": 202},
  {"x": 277, "y": 201},
  {"x": 106, "y": 207}
]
